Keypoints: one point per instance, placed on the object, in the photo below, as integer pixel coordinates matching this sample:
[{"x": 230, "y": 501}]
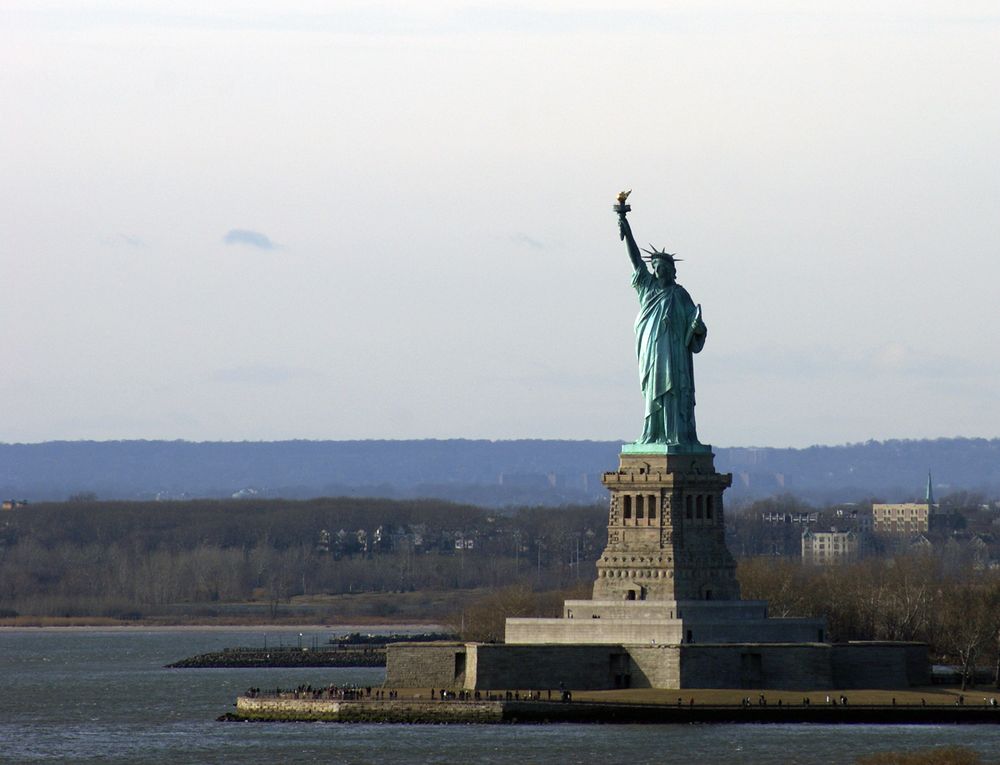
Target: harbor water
[{"x": 104, "y": 696}]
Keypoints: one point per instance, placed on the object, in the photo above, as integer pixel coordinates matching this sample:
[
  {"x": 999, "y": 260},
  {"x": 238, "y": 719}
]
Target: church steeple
[{"x": 930, "y": 489}]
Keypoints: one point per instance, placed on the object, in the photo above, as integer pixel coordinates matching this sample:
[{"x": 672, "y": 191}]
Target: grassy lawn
[{"x": 911, "y": 696}]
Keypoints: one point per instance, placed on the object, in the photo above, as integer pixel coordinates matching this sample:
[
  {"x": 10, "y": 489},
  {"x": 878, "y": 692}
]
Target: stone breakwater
[
  {"x": 339, "y": 656},
  {"x": 274, "y": 709},
  {"x": 271, "y": 709},
  {"x": 351, "y": 650}
]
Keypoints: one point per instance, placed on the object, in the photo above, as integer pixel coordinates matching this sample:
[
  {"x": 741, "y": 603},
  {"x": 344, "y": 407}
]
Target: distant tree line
[
  {"x": 88, "y": 557},
  {"x": 913, "y": 597},
  {"x": 484, "y": 620}
]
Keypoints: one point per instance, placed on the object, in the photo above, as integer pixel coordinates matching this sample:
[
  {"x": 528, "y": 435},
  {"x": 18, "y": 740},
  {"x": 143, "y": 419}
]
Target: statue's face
[{"x": 664, "y": 269}]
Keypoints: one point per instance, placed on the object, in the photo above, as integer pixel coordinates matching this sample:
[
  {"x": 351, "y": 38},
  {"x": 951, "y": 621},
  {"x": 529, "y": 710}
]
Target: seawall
[{"x": 273, "y": 709}]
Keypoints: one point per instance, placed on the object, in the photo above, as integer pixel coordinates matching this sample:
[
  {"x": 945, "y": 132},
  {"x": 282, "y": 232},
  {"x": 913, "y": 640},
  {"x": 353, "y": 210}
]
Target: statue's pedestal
[
  {"x": 666, "y": 576},
  {"x": 622, "y": 622},
  {"x": 666, "y": 535}
]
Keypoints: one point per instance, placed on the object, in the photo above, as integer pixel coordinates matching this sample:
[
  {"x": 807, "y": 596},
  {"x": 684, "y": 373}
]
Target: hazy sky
[{"x": 293, "y": 219}]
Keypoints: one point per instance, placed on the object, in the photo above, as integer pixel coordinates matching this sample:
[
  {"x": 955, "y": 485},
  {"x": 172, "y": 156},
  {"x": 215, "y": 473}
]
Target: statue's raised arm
[{"x": 625, "y": 231}]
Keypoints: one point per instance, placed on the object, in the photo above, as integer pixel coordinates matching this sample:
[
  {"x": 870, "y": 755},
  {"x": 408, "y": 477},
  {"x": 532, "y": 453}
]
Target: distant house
[
  {"x": 323, "y": 542},
  {"x": 14, "y": 504},
  {"x": 830, "y": 548},
  {"x": 981, "y": 547}
]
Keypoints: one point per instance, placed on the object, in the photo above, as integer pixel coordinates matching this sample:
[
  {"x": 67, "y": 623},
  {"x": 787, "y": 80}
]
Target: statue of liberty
[{"x": 668, "y": 331}]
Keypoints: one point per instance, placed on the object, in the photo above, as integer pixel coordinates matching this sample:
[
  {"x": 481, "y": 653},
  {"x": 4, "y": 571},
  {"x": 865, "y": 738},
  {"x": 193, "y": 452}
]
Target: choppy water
[{"x": 105, "y": 697}]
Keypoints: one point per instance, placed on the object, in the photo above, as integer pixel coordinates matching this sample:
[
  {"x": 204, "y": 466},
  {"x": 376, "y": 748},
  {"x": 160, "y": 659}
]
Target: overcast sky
[{"x": 293, "y": 219}]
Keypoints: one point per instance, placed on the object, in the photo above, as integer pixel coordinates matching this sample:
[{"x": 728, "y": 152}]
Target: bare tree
[{"x": 968, "y": 624}]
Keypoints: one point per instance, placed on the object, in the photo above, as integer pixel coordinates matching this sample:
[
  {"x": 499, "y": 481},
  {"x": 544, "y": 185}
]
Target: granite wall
[
  {"x": 880, "y": 665},
  {"x": 545, "y": 667},
  {"x": 798, "y": 666},
  {"x": 425, "y": 665}
]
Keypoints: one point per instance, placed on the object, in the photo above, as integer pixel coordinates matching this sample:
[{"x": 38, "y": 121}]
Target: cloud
[
  {"x": 249, "y": 238},
  {"x": 523, "y": 239},
  {"x": 131, "y": 241},
  {"x": 123, "y": 240}
]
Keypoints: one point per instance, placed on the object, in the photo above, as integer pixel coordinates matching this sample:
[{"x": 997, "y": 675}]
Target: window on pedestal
[
  {"x": 699, "y": 507},
  {"x": 639, "y": 507},
  {"x": 652, "y": 507},
  {"x": 627, "y": 506},
  {"x": 688, "y": 507},
  {"x": 709, "y": 506}
]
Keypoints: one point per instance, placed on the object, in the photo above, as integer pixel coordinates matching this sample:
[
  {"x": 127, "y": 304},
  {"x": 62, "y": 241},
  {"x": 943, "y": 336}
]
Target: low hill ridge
[{"x": 491, "y": 473}]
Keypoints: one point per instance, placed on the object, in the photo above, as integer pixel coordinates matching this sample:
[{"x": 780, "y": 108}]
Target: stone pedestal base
[
  {"x": 666, "y": 534},
  {"x": 617, "y": 622},
  {"x": 771, "y": 666}
]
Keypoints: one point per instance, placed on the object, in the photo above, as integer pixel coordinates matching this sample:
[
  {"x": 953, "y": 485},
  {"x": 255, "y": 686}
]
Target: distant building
[
  {"x": 772, "y": 517},
  {"x": 830, "y": 548},
  {"x": 797, "y": 517},
  {"x": 903, "y": 518},
  {"x": 14, "y": 504},
  {"x": 906, "y": 517},
  {"x": 858, "y": 519},
  {"x": 865, "y": 521}
]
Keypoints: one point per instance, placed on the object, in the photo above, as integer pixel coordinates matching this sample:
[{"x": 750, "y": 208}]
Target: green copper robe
[{"x": 665, "y": 341}]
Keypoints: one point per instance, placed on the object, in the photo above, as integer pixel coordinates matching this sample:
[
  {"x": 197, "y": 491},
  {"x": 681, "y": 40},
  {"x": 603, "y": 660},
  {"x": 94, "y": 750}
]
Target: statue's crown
[{"x": 654, "y": 253}]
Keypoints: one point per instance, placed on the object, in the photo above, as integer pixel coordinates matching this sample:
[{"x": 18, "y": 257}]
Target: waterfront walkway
[{"x": 391, "y": 706}]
